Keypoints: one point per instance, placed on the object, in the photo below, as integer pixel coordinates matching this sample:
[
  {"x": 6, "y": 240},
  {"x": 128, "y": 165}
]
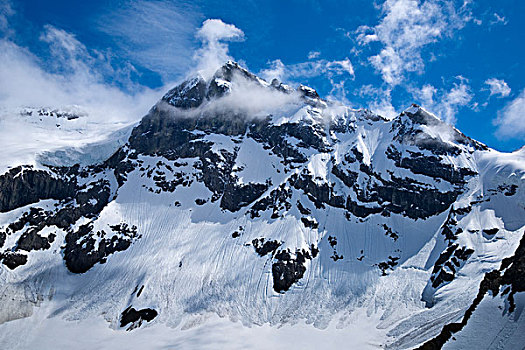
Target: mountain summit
[{"x": 268, "y": 204}]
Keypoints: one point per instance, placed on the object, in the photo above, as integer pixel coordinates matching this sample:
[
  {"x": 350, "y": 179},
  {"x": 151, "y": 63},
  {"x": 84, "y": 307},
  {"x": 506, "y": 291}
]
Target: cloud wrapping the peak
[
  {"x": 498, "y": 87},
  {"x": 214, "y": 52}
]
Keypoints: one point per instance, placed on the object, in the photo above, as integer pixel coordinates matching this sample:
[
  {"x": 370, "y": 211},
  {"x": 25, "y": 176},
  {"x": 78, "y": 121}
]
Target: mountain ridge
[{"x": 306, "y": 206}]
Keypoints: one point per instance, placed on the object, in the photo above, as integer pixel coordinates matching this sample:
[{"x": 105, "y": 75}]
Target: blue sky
[{"x": 462, "y": 60}]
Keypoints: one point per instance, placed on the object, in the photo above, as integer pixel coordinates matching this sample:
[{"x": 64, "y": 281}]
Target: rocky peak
[
  {"x": 189, "y": 94},
  {"x": 418, "y": 115},
  {"x": 416, "y": 126},
  {"x": 193, "y": 92}
]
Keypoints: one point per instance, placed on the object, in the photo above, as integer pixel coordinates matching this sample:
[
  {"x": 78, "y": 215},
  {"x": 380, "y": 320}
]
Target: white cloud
[
  {"x": 157, "y": 35},
  {"x": 444, "y": 103},
  {"x": 498, "y": 87},
  {"x": 313, "y": 54},
  {"x": 426, "y": 95},
  {"x": 458, "y": 96},
  {"x": 407, "y": 26},
  {"x": 337, "y": 72},
  {"x": 308, "y": 69},
  {"x": 214, "y": 30},
  {"x": 380, "y": 100},
  {"x": 498, "y": 19},
  {"x": 77, "y": 78},
  {"x": 277, "y": 70},
  {"x": 214, "y": 52},
  {"x": 6, "y": 11},
  {"x": 511, "y": 121}
]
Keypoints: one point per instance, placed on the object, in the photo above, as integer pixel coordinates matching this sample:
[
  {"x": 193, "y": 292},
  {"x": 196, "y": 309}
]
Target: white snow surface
[{"x": 36, "y": 136}]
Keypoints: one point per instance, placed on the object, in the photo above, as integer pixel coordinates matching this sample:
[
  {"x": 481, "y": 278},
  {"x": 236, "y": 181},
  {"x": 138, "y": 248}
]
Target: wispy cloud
[
  {"x": 6, "y": 11},
  {"x": 313, "y": 54},
  {"x": 380, "y": 100},
  {"x": 406, "y": 27},
  {"x": 511, "y": 121},
  {"x": 445, "y": 103},
  {"x": 498, "y": 87},
  {"x": 73, "y": 75},
  {"x": 498, "y": 19},
  {"x": 308, "y": 69},
  {"x": 336, "y": 72},
  {"x": 157, "y": 35}
]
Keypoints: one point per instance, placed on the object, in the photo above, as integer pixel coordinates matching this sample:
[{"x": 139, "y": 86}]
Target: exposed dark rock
[
  {"x": 136, "y": 317},
  {"x": 278, "y": 200},
  {"x": 390, "y": 232},
  {"x": 90, "y": 199},
  {"x": 319, "y": 194},
  {"x": 289, "y": 267},
  {"x": 189, "y": 94},
  {"x": 23, "y": 185},
  {"x": 430, "y": 166},
  {"x": 237, "y": 196},
  {"x": 13, "y": 260},
  {"x": 3, "y": 236},
  {"x": 80, "y": 252},
  {"x": 407, "y": 127},
  {"x": 347, "y": 177},
  {"x": 31, "y": 240},
  {"x": 513, "y": 269},
  {"x": 448, "y": 264},
  {"x": 287, "y": 270},
  {"x": 310, "y": 223},
  {"x": 510, "y": 190},
  {"x": 388, "y": 265},
  {"x": 238, "y": 232},
  {"x": 336, "y": 257},
  {"x": 332, "y": 241},
  {"x": 263, "y": 247},
  {"x": 200, "y": 201},
  {"x": 491, "y": 231},
  {"x": 302, "y": 209}
]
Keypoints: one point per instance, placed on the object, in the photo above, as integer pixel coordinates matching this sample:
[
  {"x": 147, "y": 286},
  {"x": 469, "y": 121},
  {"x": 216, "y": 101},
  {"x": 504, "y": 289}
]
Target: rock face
[
  {"x": 135, "y": 317},
  {"x": 508, "y": 280},
  {"x": 23, "y": 185},
  {"x": 216, "y": 204}
]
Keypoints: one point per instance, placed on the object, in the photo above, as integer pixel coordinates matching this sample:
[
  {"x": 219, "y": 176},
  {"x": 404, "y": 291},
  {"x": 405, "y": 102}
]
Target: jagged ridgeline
[{"x": 251, "y": 199}]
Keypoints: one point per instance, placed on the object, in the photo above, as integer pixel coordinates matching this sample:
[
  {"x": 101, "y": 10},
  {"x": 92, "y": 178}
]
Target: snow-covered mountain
[{"x": 268, "y": 205}]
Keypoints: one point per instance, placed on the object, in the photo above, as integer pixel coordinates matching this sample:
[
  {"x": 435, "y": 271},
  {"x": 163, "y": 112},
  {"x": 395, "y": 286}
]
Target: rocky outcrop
[
  {"x": 24, "y": 185},
  {"x": 136, "y": 317},
  {"x": 509, "y": 278},
  {"x": 289, "y": 267},
  {"x": 85, "y": 248}
]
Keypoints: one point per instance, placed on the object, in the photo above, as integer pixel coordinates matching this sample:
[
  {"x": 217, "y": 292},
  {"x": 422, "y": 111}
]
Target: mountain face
[{"x": 267, "y": 204}]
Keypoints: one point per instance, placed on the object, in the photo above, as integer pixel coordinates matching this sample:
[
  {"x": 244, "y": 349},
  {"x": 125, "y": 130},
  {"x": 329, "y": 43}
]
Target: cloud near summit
[{"x": 214, "y": 34}]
